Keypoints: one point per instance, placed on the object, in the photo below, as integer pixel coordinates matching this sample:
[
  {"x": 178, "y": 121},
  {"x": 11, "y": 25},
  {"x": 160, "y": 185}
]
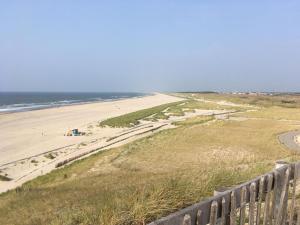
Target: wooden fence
[{"x": 268, "y": 200}]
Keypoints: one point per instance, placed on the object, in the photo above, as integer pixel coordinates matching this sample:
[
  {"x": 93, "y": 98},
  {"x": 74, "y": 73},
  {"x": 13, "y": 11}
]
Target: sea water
[{"x": 25, "y": 101}]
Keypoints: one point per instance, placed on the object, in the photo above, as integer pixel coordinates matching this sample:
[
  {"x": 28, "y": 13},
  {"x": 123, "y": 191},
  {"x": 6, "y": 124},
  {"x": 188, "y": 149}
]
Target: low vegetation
[
  {"x": 274, "y": 112},
  {"x": 133, "y": 118},
  {"x": 34, "y": 161},
  {"x": 50, "y": 156},
  {"x": 161, "y": 112},
  {"x": 194, "y": 121},
  {"x": 153, "y": 176},
  {"x": 4, "y": 178},
  {"x": 277, "y": 99}
]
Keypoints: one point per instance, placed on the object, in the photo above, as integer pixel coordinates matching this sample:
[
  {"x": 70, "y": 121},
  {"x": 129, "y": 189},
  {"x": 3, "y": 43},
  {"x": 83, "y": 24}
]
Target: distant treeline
[
  {"x": 197, "y": 92},
  {"x": 215, "y": 92}
]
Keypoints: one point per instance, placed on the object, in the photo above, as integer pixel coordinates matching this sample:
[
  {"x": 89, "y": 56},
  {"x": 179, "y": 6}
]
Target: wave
[{"x": 35, "y": 103}]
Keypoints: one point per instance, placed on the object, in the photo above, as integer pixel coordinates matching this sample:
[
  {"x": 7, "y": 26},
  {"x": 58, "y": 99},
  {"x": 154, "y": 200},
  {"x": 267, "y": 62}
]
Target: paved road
[{"x": 288, "y": 139}]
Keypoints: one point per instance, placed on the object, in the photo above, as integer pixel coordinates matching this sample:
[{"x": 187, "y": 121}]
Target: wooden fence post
[
  {"x": 260, "y": 199},
  {"x": 292, "y": 207},
  {"x": 268, "y": 200},
  {"x": 283, "y": 198},
  {"x": 213, "y": 213},
  {"x": 252, "y": 204},
  {"x": 198, "y": 219},
  {"x": 280, "y": 163},
  {"x": 243, "y": 206},
  {"x": 187, "y": 220},
  {"x": 233, "y": 208},
  {"x": 224, "y": 217}
]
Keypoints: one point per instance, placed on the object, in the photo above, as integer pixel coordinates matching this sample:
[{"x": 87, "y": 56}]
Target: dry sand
[
  {"x": 297, "y": 139},
  {"x": 27, "y": 136}
]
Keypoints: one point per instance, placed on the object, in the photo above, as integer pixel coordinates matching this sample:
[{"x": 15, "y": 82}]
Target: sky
[{"x": 149, "y": 45}]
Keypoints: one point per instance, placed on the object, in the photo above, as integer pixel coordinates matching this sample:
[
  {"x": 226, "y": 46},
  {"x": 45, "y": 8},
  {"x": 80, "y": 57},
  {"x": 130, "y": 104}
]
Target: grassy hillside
[
  {"x": 153, "y": 176},
  {"x": 281, "y": 100}
]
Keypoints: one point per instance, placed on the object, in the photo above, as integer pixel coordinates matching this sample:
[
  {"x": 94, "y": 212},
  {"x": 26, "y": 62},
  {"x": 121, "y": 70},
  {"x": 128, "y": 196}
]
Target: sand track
[{"x": 290, "y": 140}]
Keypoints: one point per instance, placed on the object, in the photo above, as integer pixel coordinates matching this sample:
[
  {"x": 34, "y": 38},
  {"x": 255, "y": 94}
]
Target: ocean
[{"x": 25, "y": 101}]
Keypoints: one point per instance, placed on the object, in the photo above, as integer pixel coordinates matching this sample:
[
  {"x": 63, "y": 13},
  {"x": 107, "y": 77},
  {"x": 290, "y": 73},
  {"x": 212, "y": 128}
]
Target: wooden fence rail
[{"x": 266, "y": 200}]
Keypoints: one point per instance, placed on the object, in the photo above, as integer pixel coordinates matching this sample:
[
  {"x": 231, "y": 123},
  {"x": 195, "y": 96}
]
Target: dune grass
[
  {"x": 281, "y": 100},
  {"x": 194, "y": 121},
  {"x": 159, "y": 112},
  {"x": 133, "y": 118},
  {"x": 275, "y": 112},
  {"x": 151, "y": 177}
]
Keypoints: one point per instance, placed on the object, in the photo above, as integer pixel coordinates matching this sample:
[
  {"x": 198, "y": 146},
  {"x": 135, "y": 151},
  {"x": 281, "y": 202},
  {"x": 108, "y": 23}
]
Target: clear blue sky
[{"x": 149, "y": 45}]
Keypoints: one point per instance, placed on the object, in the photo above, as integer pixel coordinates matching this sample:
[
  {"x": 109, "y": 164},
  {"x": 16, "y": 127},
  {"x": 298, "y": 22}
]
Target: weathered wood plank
[
  {"x": 268, "y": 199},
  {"x": 233, "y": 208},
  {"x": 295, "y": 179},
  {"x": 243, "y": 206},
  {"x": 198, "y": 218},
  {"x": 277, "y": 193},
  {"x": 187, "y": 220},
  {"x": 276, "y": 189},
  {"x": 213, "y": 213},
  {"x": 282, "y": 206},
  {"x": 286, "y": 198},
  {"x": 223, "y": 214},
  {"x": 298, "y": 217},
  {"x": 252, "y": 204},
  {"x": 260, "y": 199}
]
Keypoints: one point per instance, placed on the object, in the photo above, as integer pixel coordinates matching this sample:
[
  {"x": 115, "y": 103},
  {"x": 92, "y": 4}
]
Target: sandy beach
[{"x": 33, "y": 142}]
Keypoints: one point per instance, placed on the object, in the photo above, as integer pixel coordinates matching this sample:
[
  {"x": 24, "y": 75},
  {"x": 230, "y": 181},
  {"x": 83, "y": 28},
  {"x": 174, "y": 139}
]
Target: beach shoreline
[
  {"x": 30, "y": 138},
  {"x": 49, "y": 105}
]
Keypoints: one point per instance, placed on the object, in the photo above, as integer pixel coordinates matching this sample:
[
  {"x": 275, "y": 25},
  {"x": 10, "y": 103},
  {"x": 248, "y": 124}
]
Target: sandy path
[{"x": 290, "y": 140}]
